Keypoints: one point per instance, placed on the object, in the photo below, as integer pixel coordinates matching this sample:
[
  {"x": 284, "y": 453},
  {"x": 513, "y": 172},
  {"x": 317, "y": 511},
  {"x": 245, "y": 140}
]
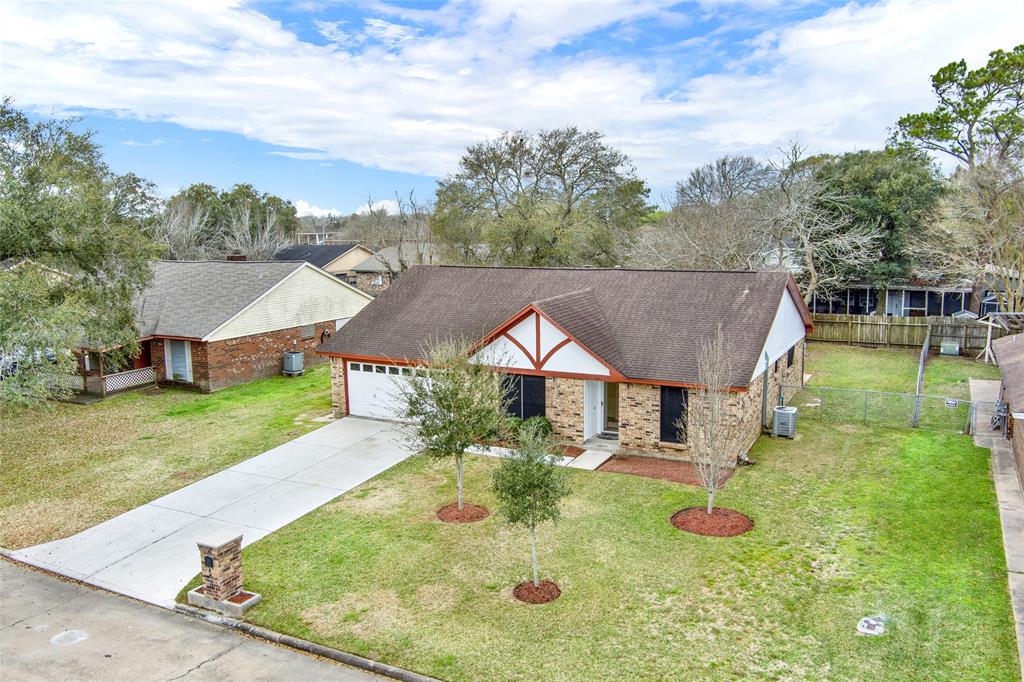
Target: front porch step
[{"x": 608, "y": 435}]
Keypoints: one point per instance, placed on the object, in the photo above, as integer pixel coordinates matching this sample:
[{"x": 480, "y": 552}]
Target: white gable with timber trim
[
  {"x": 535, "y": 344},
  {"x": 787, "y": 330}
]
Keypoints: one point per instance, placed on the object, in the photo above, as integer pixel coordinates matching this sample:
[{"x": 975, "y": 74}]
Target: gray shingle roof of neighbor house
[
  {"x": 1009, "y": 352},
  {"x": 644, "y": 323},
  {"x": 424, "y": 254},
  {"x": 192, "y": 298},
  {"x": 319, "y": 255}
]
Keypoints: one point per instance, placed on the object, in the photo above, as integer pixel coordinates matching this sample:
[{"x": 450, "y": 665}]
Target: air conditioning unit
[
  {"x": 784, "y": 423},
  {"x": 293, "y": 361},
  {"x": 949, "y": 348}
]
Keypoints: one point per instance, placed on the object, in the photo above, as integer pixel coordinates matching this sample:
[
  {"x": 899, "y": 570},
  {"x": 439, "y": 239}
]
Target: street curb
[{"x": 305, "y": 645}]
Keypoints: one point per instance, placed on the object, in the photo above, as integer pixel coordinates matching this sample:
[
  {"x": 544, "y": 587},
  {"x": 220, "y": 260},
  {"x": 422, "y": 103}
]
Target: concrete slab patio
[{"x": 150, "y": 552}]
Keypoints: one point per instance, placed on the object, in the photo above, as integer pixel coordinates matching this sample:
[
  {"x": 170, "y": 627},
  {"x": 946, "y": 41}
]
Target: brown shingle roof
[
  {"x": 1010, "y": 355},
  {"x": 645, "y": 323}
]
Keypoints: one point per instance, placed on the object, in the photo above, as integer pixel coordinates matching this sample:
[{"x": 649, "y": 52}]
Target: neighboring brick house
[
  {"x": 337, "y": 259},
  {"x": 375, "y": 274},
  {"x": 1009, "y": 352},
  {"x": 596, "y": 351},
  {"x": 213, "y": 324}
]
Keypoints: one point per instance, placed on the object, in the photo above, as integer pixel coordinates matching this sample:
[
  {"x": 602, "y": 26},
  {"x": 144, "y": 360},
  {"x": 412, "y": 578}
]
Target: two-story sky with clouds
[{"x": 326, "y": 103}]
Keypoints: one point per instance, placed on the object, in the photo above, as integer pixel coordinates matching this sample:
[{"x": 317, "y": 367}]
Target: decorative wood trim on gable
[{"x": 537, "y": 358}]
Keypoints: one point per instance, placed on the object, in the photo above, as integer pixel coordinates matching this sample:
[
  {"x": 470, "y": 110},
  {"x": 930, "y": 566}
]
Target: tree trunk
[
  {"x": 533, "y": 553},
  {"x": 458, "y": 467},
  {"x": 711, "y": 499}
]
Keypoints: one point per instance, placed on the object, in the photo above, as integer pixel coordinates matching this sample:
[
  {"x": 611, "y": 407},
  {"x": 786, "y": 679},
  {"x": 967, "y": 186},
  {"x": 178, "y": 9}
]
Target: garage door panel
[{"x": 375, "y": 391}]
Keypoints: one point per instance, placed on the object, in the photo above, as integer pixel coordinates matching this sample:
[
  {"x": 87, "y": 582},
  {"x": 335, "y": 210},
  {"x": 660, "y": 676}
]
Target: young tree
[
  {"x": 980, "y": 113},
  {"x": 561, "y": 196},
  {"x": 62, "y": 207},
  {"x": 712, "y": 436},
  {"x": 530, "y": 487},
  {"x": 453, "y": 402}
]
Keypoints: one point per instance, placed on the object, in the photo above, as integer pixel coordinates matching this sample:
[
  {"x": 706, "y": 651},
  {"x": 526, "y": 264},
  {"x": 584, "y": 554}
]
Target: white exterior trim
[
  {"x": 570, "y": 358},
  {"x": 786, "y": 331},
  {"x": 216, "y": 335}
]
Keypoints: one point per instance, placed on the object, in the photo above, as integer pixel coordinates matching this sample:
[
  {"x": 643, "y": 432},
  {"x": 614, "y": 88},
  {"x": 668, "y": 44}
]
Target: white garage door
[{"x": 376, "y": 390}]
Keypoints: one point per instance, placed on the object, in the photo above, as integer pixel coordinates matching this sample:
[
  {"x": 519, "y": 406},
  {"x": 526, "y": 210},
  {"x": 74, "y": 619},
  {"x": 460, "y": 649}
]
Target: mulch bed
[
  {"x": 721, "y": 522},
  {"x": 654, "y": 467},
  {"x": 450, "y": 513},
  {"x": 572, "y": 451},
  {"x": 548, "y": 591}
]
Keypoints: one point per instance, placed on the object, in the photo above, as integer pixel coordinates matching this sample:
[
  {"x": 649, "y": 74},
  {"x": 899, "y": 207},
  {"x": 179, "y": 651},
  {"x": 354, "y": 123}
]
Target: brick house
[
  {"x": 213, "y": 324},
  {"x": 599, "y": 352}
]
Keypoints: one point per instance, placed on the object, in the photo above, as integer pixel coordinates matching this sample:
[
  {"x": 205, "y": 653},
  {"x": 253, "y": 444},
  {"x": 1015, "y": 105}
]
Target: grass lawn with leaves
[
  {"x": 894, "y": 370},
  {"x": 850, "y": 521},
  {"x": 67, "y": 467}
]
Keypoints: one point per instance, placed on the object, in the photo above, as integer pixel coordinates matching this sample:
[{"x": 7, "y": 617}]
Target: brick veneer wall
[
  {"x": 338, "y": 387},
  {"x": 366, "y": 281},
  {"x": 639, "y": 416},
  {"x": 219, "y": 364},
  {"x": 563, "y": 406}
]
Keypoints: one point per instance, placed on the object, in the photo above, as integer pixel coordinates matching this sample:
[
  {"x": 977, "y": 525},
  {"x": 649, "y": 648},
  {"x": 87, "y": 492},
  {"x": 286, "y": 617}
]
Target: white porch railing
[{"x": 124, "y": 380}]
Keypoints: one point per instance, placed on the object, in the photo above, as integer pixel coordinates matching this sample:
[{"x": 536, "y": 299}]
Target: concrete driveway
[
  {"x": 56, "y": 630},
  {"x": 150, "y": 552}
]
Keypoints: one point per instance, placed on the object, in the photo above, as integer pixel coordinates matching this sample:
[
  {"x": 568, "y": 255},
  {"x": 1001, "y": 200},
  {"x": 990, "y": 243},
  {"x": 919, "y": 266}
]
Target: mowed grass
[
  {"x": 892, "y": 370},
  {"x": 66, "y": 467},
  {"x": 850, "y": 522}
]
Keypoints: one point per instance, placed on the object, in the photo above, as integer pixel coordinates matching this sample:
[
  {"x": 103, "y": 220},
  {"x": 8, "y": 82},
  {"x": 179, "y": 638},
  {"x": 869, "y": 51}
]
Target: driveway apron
[{"x": 150, "y": 552}]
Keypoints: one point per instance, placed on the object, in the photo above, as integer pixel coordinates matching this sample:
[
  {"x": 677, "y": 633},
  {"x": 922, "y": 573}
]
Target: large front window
[{"x": 525, "y": 394}]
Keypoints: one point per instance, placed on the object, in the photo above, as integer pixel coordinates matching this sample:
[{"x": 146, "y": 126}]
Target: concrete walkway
[
  {"x": 56, "y": 630},
  {"x": 588, "y": 459},
  {"x": 150, "y": 552},
  {"x": 1010, "y": 498}
]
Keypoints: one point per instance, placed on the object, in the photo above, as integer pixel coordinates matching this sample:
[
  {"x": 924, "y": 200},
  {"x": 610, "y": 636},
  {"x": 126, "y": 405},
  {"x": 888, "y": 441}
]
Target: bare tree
[
  {"x": 184, "y": 229},
  {"x": 257, "y": 237},
  {"x": 978, "y": 236},
  {"x": 712, "y": 437},
  {"x": 819, "y": 244},
  {"x": 402, "y": 237}
]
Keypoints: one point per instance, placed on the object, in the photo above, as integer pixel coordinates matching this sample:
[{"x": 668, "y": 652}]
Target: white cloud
[
  {"x": 304, "y": 208},
  {"x": 399, "y": 96},
  {"x": 390, "y": 207},
  {"x": 156, "y": 142}
]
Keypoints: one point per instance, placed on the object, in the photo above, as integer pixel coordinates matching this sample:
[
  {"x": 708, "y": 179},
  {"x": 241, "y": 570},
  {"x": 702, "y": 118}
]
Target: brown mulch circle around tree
[
  {"x": 548, "y": 591},
  {"x": 450, "y": 513},
  {"x": 721, "y": 522},
  {"x": 654, "y": 467}
]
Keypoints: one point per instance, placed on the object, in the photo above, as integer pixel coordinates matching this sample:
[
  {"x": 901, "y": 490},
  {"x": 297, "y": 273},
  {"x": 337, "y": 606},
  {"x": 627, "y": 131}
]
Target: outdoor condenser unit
[
  {"x": 293, "y": 361},
  {"x": 949, "y": 348},
  {"x": 784, "y": 423}
]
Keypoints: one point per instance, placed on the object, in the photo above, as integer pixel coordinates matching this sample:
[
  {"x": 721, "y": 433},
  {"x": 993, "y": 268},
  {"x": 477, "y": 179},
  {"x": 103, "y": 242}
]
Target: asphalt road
[{"x": 56, "y": 630}]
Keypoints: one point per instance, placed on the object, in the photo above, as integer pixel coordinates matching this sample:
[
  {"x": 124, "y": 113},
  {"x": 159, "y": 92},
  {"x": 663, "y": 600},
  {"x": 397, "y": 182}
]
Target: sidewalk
[{"x": 1010, "y": 497}]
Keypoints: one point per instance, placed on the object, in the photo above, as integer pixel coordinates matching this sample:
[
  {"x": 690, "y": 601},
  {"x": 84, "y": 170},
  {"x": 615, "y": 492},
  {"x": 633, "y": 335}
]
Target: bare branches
[
  {"x": 257, "y": 237},
  {"x": 183, "y": 228},
  {"x": 979, "y": 234},
  {"x": 712, "y": 437}
]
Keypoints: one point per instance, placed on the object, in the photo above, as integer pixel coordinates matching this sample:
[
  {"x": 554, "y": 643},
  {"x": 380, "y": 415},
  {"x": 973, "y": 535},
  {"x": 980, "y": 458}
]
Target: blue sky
[{"x": 326, "y": 103}]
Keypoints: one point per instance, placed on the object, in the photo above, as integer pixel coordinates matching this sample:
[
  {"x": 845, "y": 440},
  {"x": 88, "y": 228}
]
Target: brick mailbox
[{"x": 220, "y": 560}]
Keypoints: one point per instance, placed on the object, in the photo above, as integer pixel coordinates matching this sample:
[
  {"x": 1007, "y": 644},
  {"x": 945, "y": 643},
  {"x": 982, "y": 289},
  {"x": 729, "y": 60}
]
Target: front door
[
  {"x": 593, "y": 408},
  {"x": 611, "y": 406}
]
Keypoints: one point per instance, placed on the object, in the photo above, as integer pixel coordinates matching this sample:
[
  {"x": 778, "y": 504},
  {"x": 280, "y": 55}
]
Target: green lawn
[
  {"x": 67, "y": 467},
  {"x": 851, "y": 521},
  {"x": 889, "y": 369}
]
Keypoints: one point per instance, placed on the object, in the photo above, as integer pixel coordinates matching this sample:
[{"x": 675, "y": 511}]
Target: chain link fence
[{"x": 881, "y": 408}]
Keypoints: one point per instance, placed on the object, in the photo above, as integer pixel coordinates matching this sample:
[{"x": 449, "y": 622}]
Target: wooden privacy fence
[{"x": 883, "y": 330}]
